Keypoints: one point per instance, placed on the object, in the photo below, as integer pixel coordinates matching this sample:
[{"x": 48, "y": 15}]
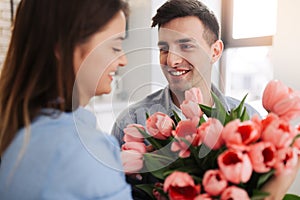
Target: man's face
[{"x": 185, "y": 56}]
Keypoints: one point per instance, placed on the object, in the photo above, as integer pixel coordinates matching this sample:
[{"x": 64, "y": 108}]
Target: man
[{"x": 189, "y": 43}]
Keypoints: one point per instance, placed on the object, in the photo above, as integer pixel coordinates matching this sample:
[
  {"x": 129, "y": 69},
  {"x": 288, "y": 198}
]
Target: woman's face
[{"x": 97, "y": 59}]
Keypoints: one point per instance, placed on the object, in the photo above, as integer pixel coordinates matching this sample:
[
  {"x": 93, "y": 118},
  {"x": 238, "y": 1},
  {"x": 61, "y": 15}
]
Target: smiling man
[{"x": 189, "y": 43}]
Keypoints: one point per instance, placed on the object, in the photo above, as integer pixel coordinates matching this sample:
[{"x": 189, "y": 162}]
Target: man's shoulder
[
  {"x": 136, "y": 112},
  {"x": 152, "y": 100},
  {"x": 155, "y": 97},
  {"x": 233, "y": 103}
]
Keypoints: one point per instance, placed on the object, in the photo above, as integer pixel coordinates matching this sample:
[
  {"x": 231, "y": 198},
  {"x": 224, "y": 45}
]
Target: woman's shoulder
[
  {"x": 65, "y": 153},
  {"x": 77, "y": 131}
]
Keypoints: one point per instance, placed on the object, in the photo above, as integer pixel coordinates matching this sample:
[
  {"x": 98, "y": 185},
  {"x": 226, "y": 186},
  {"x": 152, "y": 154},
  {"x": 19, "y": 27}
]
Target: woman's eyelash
[{"x": 116, "y": 49}]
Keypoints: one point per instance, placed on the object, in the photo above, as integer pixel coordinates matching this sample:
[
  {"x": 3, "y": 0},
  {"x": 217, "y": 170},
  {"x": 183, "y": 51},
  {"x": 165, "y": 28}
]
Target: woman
[{"x": 61, "y": 54}]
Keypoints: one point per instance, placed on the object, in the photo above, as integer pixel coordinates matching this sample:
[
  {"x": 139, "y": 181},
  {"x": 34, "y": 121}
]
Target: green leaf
[
  {"x": 148, "y": 188},
  {"x": 240, "y": 107},
  {"x": 201, "y": 121},
  {"x": 150, "y": 139},
  {"x": 291, "y": 197},
  {"x": 264, "y": 178},
  {"x": 197, "y": 179},
  {"x": 193, "y": 150},
  {"x": 295, "y": 138},
  {"x": 191, "y": 169},
  {"x": 177, "y": 118},
  {"x": 259, "y": 195},
  {"x": 147, "y": 115},
  {"x": 219, "y": 112},
  {"x": 240, "y": 112},
  {"x": 206, "y": 109},
  {"x": 160, "y": 174},
  {"x": 155, "y": 162},
  {"x": 244, "y": 116}
]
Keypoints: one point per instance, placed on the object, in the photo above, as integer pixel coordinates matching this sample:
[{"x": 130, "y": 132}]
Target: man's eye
[
  {"x": 164, "y": 48},
  {"x": 186, "y": 46}
]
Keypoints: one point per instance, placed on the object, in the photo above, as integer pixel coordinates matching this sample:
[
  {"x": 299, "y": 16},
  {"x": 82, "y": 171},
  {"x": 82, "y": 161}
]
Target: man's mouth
[{"x": 178, "y": 72}]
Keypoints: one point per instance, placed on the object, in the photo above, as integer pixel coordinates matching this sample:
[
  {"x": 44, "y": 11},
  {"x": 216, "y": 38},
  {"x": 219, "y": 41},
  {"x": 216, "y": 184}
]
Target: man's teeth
[
  {"x": 177, "y": 73},
  {"x": 112, "y": 73}
]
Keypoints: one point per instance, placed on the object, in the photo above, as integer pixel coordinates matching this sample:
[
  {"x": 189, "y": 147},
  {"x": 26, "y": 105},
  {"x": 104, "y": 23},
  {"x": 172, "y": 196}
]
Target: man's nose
[{"x": 173, "y": 59}]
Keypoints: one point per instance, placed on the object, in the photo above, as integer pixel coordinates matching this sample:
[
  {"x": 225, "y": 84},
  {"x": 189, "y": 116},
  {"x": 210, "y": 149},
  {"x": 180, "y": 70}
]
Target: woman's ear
[
  {"x": 216, "y": 51},
  {"x": 57, "y": 52}
]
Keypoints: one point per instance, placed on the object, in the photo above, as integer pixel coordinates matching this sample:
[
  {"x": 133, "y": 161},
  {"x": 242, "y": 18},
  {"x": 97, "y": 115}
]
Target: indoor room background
[{"x": 261, "y": 40}]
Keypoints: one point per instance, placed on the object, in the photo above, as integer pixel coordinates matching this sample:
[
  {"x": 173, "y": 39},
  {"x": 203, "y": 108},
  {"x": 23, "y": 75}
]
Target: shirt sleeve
[
  {"x": 126, "y": 117},
  {"x": 78, "y": 174}
]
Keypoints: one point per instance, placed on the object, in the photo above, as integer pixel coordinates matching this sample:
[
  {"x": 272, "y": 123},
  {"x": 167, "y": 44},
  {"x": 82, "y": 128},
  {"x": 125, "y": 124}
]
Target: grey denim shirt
[{"x": 161, "y": 101}]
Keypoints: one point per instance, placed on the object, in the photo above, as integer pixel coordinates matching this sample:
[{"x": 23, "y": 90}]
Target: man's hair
[{"x": 181, "y": 8}]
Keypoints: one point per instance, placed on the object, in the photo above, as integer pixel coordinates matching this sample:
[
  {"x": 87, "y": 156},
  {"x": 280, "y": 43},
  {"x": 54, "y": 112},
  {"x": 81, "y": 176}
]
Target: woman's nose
[{"x": 123, "y": 60}]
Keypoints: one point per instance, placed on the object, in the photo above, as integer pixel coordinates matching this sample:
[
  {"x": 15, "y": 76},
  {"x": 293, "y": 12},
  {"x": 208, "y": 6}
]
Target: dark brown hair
[
  {"x": 38, "y": 70},
  {"x": 181, "y": 8}
]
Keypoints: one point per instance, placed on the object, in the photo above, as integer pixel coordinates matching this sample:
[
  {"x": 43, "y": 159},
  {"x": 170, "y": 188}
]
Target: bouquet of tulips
[{"x": 212, "y": 154}]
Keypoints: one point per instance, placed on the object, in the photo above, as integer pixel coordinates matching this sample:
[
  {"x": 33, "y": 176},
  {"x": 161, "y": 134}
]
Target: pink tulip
[
  {"x": 298, "y": 128},
  {"x": 296, "y": 145},
  {"x": 235, "y": 166},
  {"x": 194, "y": 94},
  {"x": 277, "y": 131},
  {"x": 182, "y": 147},
  {"x": 297, "y": 141},
  {"x": 132, "y": 161},
  {"x": 287, "y": 159},
  {"x": 187, "y": 129},
  {"x": 214, "y": 182},
  {"x": 191, "y": 109},
  {"x": 159, "y": 125},
  {"x": 132, "y": 134},
  {"x": 190, "y": 106},
  {"x": 203, "y": 197},
  {"x": 180, "y": 185},
  {"x": 234, "y": 193},
  {"x": 137, "y": 146},
  {"x": 238, "y": 134},
  {"x": 156, "y": 193},
  {"x": 262, "y": 156},
  {"x": 281, "y": 100},
  {"x": 210, "y": 133}
]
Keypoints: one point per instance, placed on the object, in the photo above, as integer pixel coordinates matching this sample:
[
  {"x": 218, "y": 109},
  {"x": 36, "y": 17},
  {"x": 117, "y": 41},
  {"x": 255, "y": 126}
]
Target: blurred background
[{"x": 261, "y": 43}]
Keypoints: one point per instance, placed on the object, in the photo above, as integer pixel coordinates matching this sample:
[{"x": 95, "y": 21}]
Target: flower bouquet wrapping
[{"x": 212, "y": 154}]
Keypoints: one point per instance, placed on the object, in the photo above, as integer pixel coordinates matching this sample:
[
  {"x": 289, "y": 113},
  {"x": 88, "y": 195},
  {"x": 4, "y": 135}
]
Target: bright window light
[{"x": 254, "y": 18}]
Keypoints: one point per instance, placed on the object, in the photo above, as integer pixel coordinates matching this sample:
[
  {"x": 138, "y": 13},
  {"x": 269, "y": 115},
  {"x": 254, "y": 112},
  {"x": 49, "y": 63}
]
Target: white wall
[
  {"x": 286, "y": 49},
  {"x": 136, "y": 76},
  {"x": 157, "y": 77},
  {"x": 286, "y": 44}
]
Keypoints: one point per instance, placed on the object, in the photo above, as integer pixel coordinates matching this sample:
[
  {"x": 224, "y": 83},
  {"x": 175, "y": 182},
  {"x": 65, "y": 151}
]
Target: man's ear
[{"x": 216, "y": 51}]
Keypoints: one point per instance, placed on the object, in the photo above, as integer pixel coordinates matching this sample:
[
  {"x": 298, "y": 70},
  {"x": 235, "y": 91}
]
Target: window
[{"x": 248, "y": 27}]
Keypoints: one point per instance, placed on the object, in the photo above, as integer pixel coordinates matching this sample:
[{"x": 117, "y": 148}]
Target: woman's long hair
[{"x": 38, "y": 70}]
